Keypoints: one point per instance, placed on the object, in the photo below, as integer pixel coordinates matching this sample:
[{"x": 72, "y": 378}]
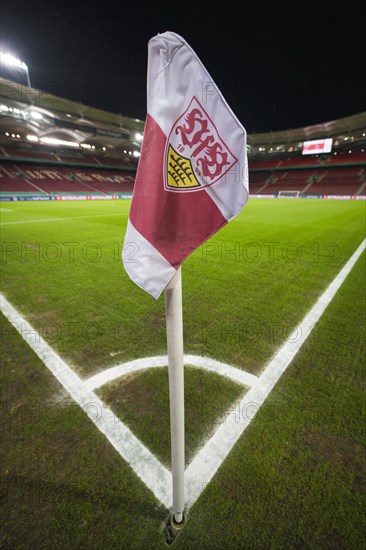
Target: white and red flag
[{"x": 192, "y": 175}]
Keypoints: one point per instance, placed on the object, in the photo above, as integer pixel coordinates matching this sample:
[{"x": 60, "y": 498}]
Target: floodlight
[{"x": 12, "y": 61}]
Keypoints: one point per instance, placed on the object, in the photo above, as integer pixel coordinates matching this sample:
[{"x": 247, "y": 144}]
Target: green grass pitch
[{"x": 296, "y": 477}]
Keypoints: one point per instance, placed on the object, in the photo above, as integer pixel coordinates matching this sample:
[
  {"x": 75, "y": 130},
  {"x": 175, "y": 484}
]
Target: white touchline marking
[
  {"x": 207, "y": 461},
  {"x": 5, "y": 209},
  {"x": 108, "y": 375},
  {"x": 144, "y": 463},
  {"x": 59, "y": 219},
  {"x": 210, "y": 457}
]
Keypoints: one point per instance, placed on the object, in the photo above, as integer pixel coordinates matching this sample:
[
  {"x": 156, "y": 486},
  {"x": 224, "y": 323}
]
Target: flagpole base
[{"x": 172, "y": 529}]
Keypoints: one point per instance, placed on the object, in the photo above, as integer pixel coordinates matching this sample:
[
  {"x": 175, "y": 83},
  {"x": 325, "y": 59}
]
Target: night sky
[{"x": 279, "y": 65}]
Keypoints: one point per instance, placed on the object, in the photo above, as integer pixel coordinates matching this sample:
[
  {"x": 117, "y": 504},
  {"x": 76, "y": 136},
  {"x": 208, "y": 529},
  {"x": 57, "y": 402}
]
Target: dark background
[{"x": 279, "y": 65}]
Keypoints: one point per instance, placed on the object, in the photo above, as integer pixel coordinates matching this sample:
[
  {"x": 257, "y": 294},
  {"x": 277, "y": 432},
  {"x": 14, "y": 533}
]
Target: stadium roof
[
  {"x": 46, "y": 100},
  {"x": 335, "y": 128}
]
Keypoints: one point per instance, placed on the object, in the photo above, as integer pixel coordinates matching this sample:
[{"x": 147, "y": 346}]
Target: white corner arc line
[
  {"x": 148, "y": 468},
  {"x": 117, "y": 371},
  {"x": 208, "y": 460},
  {"x": 108, "y": 375},
  {"x": 237, "y": 375}
]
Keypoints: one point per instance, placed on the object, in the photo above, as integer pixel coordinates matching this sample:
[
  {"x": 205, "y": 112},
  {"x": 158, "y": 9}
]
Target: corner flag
[{"x": 192, "y": 173}]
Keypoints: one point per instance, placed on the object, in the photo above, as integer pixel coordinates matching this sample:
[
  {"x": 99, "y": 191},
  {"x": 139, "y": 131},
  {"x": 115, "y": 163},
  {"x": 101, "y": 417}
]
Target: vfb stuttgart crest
[{"x": 196, "y": 156}]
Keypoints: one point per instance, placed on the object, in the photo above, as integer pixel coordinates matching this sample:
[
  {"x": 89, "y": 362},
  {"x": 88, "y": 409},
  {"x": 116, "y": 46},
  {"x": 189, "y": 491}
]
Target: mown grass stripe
[{"x": 18, "y": 222}]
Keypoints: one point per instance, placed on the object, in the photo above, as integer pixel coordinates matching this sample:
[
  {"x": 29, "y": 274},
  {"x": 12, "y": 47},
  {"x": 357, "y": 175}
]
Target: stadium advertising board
[{"x": 317, "y": 146}]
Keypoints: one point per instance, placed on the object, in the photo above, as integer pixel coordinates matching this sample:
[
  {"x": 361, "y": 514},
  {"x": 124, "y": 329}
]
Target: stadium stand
[
  {"x": 356, "y": 157},
  {"x": 301, "y": 161},
  {"x": 64, "y": 179},
  {"x": 12, "y": 153},
  {"x": 257, "y": 181},
  {"x": 78, "y": 159},
  {"x": 265, "y": 179},
  {"x": 294, "y": 180},
  {"x": 50, "y": 145},
  {"x": 343, "y": 174},
  {"x": 341, "y": 181},
  {"x": 12, "y": 181}
]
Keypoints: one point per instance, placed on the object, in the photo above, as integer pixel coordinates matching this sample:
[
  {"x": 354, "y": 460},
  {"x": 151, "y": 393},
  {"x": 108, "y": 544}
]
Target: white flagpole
[{"x": 174, "y": 328}]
